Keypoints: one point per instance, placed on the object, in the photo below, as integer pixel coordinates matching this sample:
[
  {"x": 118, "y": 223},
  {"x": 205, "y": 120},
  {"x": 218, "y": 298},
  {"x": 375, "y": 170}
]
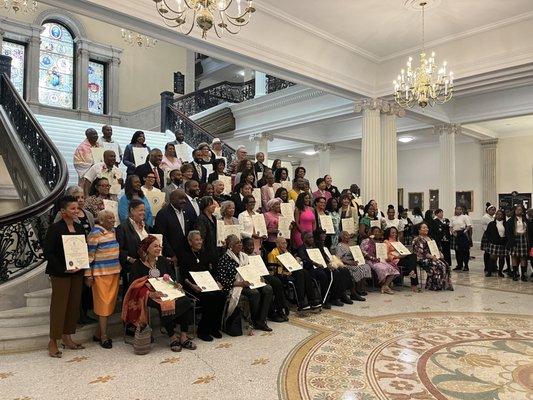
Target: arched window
[{"x": 56, "y": 66}]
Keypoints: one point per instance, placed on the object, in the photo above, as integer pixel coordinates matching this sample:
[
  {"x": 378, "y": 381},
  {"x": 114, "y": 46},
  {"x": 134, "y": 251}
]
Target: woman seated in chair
[
  {"x": 385, "y": 271},
  {"x": 360, "y": 273},
  {"x": 151, "y": 265},
  {"x": 195, "y": 259},
  {"x": 407, "y": 262},
  {"x": 226, "y": 274},
  {"x": 437, "y": 269}
]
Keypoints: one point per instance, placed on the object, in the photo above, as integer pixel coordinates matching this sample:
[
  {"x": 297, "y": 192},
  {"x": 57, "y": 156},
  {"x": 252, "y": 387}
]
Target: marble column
[
  {"x": 82, "y": 76},
  {"x": 261, "y": 142},
  {"x": 324, "y": 158},
  {"x": 31, "y": 81},
  {"x": 489, "y": 165},
  {"x": 260, "y": 84},
  {"x": 447, "y": 135},
  {"x": 190, "y": 71},
  {"x": 389, "y": 157},
  {"x": 113, "y": 88}
]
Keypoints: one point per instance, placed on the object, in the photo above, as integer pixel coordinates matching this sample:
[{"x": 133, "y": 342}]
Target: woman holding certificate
[
  {"x": 347, "y": 211},
  {"x": 398, "y": 255},
  {"x": 219, "y": 166},
  {"x": 66, "y": 279},
  {"x": 360, "y": 272},
  {"x": 385, "y": 271},
  {"x": 248, "y": 219},
  {"x": 141, "y": 293},
  {"x": 272, "y": 217},
  {"x": 137, "y": 141},
  {"x": 133, "y": 191},
  {"x": 437, "y": 269}
]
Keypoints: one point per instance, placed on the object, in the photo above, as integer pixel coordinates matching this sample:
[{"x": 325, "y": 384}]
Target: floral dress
[
  {"x": 438, "y": 271},
  {"x": 382, "y": 269},
  {"x": 336, "y": 217}
]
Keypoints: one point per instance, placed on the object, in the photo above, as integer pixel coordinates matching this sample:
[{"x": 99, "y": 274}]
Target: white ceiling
[
  {"x": 509, "y": 126},
  {"x": 386, "y": 28}
]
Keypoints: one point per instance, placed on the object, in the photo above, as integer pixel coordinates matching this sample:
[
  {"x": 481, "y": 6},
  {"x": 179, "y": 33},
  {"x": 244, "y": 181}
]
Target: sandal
[
  {"x": 175, "y": 346},
  {"x": 57, "y": 354},
  {"x": 76, "y": 346},
  {"x": 188, "y": 344}
]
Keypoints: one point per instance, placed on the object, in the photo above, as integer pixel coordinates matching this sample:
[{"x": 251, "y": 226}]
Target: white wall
[{"x": 515, "y": 161}]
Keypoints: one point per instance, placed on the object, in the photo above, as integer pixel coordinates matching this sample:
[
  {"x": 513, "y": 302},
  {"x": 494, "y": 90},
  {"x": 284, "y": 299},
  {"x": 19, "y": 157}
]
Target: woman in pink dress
[{"x": 304, "y": 218}]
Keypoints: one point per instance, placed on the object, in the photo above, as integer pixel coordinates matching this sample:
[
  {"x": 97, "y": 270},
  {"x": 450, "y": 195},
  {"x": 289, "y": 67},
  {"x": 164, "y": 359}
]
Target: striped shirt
[{"x": 103, "y": 252}]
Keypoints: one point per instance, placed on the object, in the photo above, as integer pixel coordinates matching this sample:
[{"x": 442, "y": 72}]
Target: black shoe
[
  {"x": 107, "y": 344},
  {"x": 97, "y": 340},
  {"x": 516, "y": 277},
  {"x": 206, "y": 337},
  {"x": 507, "y": 270},
  {"x": 216, "y": 334},
  {"x": 501, "y": 274},
  {"x": 488, "y": 274},
  {"x": 346, "y": 300},
  {"x": 326, "y": 306},
  {"x": 466, "y": 269},
  {"x": 524, "y": 278},
  {"x": 276, "y": 318},
  {"x": 262, "y": 326},
  {"x": 457, "y": 269},
  {"x": 337, "y": 303},
  {"x": 356, "y": 297}
]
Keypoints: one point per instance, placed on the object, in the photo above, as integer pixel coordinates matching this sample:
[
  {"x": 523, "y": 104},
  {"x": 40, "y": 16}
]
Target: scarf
[{"x": 235, "y": 293}]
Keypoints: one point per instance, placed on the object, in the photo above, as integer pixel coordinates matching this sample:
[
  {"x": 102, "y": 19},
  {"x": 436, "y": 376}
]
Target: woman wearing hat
[{"x": 486, "y": 219}]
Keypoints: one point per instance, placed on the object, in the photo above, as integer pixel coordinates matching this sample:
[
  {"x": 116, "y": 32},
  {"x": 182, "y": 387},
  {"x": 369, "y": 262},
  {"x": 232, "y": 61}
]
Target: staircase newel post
[{"x": 166, "y": 101}]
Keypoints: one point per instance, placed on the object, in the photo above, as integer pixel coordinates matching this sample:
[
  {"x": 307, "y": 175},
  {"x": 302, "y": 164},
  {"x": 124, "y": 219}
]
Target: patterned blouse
[
  {"x": 95, "y": 204},
  {"x": 103, "y": 252},
  {"x": 421, "y": 248},
  {"x": 226, "y": 272}
]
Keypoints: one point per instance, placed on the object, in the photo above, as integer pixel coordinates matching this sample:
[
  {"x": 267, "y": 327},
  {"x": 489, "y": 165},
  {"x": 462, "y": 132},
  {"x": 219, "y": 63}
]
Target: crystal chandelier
[
  {"x": 222, "y": 15},
  {"x": 28, "y": 6},
  {"x": 425, "y": 84},
  {"x": 137, "y": 39}
]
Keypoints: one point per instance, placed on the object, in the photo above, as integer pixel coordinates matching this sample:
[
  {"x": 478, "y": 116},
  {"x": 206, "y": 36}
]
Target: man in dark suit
[
  {"x": 192, "y": 209},
  {"x": 174, "y": 224},
  {"x": 152, "y": 166},
  {"x": 199, "y": 173},
  {"x": 237, "y": 198}
]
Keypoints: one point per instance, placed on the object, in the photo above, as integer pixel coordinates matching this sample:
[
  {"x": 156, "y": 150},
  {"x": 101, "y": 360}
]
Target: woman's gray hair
[
  {"x": 225, "y": 205},
  {"x": 102, "y": 214},
  {"x": 192, "y": 233},
  {"x": 73, "y": 189},
  {"x": 231, "y": 240}
]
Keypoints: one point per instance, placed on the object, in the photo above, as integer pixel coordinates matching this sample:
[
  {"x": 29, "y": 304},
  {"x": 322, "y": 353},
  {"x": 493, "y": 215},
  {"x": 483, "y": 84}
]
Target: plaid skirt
[
  {"x": 520, "y": 248},
  {"x": 496, "y": 250},
  {"x": 484, "y": 243}
]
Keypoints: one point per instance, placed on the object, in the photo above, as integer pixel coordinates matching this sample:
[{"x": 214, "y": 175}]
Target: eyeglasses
[{"x": 104, "y": 185}]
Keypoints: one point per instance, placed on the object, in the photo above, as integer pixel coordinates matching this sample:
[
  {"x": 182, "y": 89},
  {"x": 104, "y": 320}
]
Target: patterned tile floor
[{"x": 473, "y": 343}]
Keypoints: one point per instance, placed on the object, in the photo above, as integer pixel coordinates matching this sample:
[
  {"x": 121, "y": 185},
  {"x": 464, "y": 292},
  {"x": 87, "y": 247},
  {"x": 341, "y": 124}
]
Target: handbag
[
  {"x": 142, "y": 343},
  {"x": 233, "y": 325}
]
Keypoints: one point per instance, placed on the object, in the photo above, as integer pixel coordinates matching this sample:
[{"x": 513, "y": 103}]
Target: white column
[
  {"x": 113, "y": 86},
  {"x": 389, "y": 159},
  {"x": 447, "y": 135},
  {"x": 371, "y": 150},
  {"x": 261, "y": 142},
  {"x": 82, "y": 75},
  {"x": 260, "y": 84},
  {"x": 324, "y": 158},
  {"x": 190, "y": 71},
  {"x": 32, "y": 59},
  {"x": 489, "y": 165}
]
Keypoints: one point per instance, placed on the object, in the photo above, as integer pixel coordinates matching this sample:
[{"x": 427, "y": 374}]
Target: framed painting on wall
[
  {"x": 400, "y": 197},
  {"x": 465, "y": 199},
  {"x": 416, "y": 199},
  {"x": 433, "y": 199},
  {"x": 508, "y": 200}
]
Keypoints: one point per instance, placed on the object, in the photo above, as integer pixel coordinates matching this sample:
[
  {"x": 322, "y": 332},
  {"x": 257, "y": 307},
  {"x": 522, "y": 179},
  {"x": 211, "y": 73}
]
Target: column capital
[
  {"x": 489, "y": 143},
  {"x": 451, "y": 129},
  {"x": 257, "y": 137},
  {"x": 384, "y": 106},
  {"x": 324, "y": 147}
]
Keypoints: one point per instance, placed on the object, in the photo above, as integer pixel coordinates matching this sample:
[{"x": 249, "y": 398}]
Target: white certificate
[
  {"x": 316, "y": 256},
  {"x": 400, "y": 248},
  {"x": 328, "y": 253},
  {"x": 139, "y": 155},
  {"x": 284, "y": 227},
  {"x": 348, "y": 225},
  {"x": 375, "y": 223},
  {"x": 112, "y": 205},
  {"x": 223, "y": 231},
  {"x": 169, "y": 290},
  {"x": 183, "y": 151},
  {"x": 217, "y": 213},
  {"x": 433, "y": 248},
  {"x": 259, "y": 175},
  {"x": 111, "y": 146},
  {"x": 115, "y": 189},
  {"x": 381, "y": 251},
  {"x": 76, "y": 254},
  {"x": 205, "y": 280},
  {"x": 287, "y": 210},
  {"x": 326, "y": 222},
  {"x": 357, "y": 255},
  {"x": 208, "y": 168},
  {"x": 289, "y": 262},
  {"x": 156, "y": 200},
  {"x": 257, "y": 195},
  {"x": 259, "y": 225},
  {"x": 287, "y": 185},
  {"x": 226, "y": 180},
  {"x": 259, "y": 264},
  {"x": 98, "y": 154},
  {"x": 249, "y": 273}
]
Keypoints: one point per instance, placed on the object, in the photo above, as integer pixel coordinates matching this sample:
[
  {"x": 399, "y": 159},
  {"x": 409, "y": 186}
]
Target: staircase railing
[{"x": 22, "y": 232}]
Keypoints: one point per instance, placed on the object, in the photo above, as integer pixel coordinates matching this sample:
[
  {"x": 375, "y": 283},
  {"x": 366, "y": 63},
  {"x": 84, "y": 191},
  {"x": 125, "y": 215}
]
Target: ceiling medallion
[
  {"x": 221, "y": 15},
  {"x": 27, "y": 6},
  {"x": 425, "y": 84}
]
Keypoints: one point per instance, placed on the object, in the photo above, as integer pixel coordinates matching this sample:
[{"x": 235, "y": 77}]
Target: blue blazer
[{"x": 123, "y": 205}]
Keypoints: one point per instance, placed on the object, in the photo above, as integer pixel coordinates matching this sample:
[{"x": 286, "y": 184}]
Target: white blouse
[
  {"x": 520, "y": 226},
  {"x": 245, "y": 220},
  {"x": 501, "y": 228}
]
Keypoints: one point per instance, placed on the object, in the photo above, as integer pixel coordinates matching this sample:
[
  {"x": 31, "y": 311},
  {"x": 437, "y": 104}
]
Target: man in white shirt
[
  {"x": 107, "y": 142},
  {"x": 106, "y": 169},
  {"x": 459, "y": 226},
  {"x": 216, "y": 147},
  {"x": 183, "y": 150}
]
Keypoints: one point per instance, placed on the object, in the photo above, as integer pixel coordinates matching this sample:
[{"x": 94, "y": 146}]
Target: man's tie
[{"x": 157, "y": 178}]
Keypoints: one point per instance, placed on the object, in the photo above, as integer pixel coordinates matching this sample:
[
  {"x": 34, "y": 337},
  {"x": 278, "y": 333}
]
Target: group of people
[{"x": 214, "y": 221}]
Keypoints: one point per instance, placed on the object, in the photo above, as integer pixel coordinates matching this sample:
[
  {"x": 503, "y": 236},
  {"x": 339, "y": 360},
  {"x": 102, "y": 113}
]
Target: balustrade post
[{"x": 166, "y": 101}]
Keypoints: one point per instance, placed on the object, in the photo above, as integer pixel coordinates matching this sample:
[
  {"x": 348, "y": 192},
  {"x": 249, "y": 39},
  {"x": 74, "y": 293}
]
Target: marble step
[
  {"x": 40, "y": 298},
  {"x": 14, "y": 339},
  {"x": 24, "y": 317}
]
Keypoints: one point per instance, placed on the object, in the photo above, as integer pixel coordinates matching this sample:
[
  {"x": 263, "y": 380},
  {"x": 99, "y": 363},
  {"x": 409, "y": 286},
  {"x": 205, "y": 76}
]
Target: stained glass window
[
  {"x": 17, "y": 52},
  {"x": 96, "y": 87},
  {"x": 56, "y": 66}
]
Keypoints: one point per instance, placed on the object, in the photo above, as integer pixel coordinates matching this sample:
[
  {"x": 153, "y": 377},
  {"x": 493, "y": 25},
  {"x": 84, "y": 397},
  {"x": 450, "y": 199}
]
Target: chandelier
[
  {"x": 28, "y": 6},
  {"x": 425, "y": 84},
  {"x": 136, "y": 39},
  {"x": 222, "y": 15}
]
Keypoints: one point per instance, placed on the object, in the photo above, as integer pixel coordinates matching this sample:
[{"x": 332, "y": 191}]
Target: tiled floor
[{"x": 473, "y": 343}]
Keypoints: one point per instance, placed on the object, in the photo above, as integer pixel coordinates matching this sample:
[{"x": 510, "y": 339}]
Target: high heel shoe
[{"x": 76, "y": 346}]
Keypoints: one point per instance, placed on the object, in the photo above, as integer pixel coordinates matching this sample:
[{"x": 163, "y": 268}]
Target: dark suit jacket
[
  {"x": 510, "y": 230},
  {"x": 441, "y": 231},
  {"x": 128, "y": 241},
  {"x": 493, "y": 236},
  {"x": 53, "y": 248},
  {"x": 201, "y": 180},
  {"x": 174, "y": 240},
  {"x": 143, "y": 170},
  {"x": 239, "y": 204}
]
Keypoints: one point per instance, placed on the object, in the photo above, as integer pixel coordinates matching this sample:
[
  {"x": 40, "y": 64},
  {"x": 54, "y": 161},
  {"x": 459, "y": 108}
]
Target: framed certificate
[
  {"x": 169, "y": 288},
  {"x": 381, "y": 251},
  {"x": 316, "y": 256},
  {"x": 284, "y": 227},
  {"x": 348, "y": 225},
  {"x": 249, "y": 273},
  {"x": 98, "y": 154},
  {"x": 257, "y": 195},
  {"x": 76, "y": 254},
  {"x": 139, "y": 155},
  {"x": 357, "y": 255},
  {"x": 226, "y": 180},
  {"x": 287, "y": 210},
  {"x": 258, "y": 263},
  {"x": 259, "y": 225},
  {"x": 433, "y": 248},
  {"x": 375, "y": 223},
  {"x": 205, "y": 280},
  {"x": 289, "y": 262},
  {"x": 112, "y": 205},
  {"x": 326, "y": 222},
  {"x": 156, "y": 200},
  {"x": 400, "y": 248}
]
